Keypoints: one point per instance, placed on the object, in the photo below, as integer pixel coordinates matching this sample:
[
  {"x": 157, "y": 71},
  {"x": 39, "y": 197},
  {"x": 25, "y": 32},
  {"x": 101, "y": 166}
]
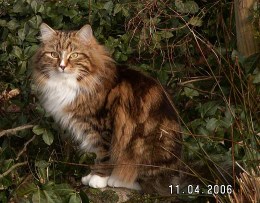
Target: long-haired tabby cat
[{"x": 118, "y": 113}]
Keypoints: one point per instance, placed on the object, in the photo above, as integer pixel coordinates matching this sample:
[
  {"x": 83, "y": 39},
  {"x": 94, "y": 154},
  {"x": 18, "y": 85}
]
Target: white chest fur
[{"x": 59, "y": 92}]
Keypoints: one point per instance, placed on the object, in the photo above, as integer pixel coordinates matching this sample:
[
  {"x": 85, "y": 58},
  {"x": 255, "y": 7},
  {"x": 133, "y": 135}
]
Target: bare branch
[
  {"x": 13, "y": 168},
  {"x": 15, "y": 130},
  {"x": 25, "y": 147}
]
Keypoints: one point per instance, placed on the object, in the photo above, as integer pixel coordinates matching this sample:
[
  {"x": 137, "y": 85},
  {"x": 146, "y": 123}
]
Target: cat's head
[{"x": 71, "y": 54}]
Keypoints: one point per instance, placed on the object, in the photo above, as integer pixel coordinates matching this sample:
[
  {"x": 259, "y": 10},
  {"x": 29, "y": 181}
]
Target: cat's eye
[
  {"x": 74, "y": 55},
  {"x": 54, "y": 55}
]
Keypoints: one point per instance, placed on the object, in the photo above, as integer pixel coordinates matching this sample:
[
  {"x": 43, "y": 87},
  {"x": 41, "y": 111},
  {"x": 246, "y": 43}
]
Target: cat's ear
[
  {"x": 47, "y": 33},
  {"x": 85, "y": 33}
]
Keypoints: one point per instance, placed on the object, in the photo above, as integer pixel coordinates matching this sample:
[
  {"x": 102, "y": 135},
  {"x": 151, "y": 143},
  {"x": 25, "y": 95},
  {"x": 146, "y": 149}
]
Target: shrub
[{"x": 188, "y": 46}]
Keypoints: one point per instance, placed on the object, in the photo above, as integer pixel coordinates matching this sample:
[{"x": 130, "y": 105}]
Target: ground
[{"x": 117, "y": 195}]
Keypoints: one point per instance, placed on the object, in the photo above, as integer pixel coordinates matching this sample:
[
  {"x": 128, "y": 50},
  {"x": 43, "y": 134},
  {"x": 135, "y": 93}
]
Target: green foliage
[
  {"x": 47, "y": 135},
  {"x": 188, "y": 45},
  {"x": 48, "y": 192}
]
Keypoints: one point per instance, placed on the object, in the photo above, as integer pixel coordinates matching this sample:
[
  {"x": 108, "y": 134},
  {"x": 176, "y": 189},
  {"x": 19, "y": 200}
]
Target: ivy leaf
[
  {"x": 212, "y": 124},
  {"x": 48, "y": 137},
  {"x": 13, "y": 24},
  {"x": 75, "y": 198},
  {"x": 163, "y": 76},
  {"x": 29, "y": 51},
  {"x": 236, "y": 55},
  {"x": 203, "y": 131},
  {"x": 35, "y": 21},
  {"x": 195, "y": 21},
  {"x": 6, "y": 164},
  {"x": 125, "y": 12},
  {"x": 42, "y": 196},
  {"x": 2, "y": 23},
  {"x": 180, "y": 6},
  {"x": 63, "y": 189},
  {"x": 34, "y": 6},
  {"x": 166, "y": 34},
  {"x": 25, "y": 189},
  {"x": 51, "y": 197},
  {"x": 71, "y": 13},
  {"x": 117, "y": 9},
  {"x": 190, "y": 92},
  {"x": 251, "y": 63},
  {"x": 187, "y": 7},
  {"x": 22, "y": 67},
  {"x": 224, "y": 123},
  {"x": 17, "y": 52},
  {"x": 21, "y": 34},
  {"x": 256, "y": 78},
  {"x": 229, "y": 119},
  {"x": 191, "y": 7},
  {"x": 42, "y": 164},
  {"x": 38, "y": 130},
  {"x": 84, "y": 197},
  {"x": 108, "y": 6},
  {"x": 19, "y": 7},
  {"x": 208, "y": 108}
]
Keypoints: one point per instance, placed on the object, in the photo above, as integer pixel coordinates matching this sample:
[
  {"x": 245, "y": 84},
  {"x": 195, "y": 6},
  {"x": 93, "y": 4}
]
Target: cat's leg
[
  {"x": 124, "y": 174},
  {"x": 115, "y": 182},
  {"x": 100, "y": 172}
]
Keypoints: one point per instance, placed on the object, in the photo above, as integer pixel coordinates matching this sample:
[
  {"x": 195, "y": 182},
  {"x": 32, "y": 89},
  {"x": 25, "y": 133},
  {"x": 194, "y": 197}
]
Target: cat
[{"x": 120, "y": 114}]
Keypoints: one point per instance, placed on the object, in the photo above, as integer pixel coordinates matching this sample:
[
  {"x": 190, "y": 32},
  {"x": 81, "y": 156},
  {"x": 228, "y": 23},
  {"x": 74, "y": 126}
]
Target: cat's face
[
  {"x": 65, "y": 53},
  {"x": 72, "y": 58}
]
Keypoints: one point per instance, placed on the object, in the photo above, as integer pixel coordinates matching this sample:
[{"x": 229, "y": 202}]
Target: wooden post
[{"x": 246, "y": 43}]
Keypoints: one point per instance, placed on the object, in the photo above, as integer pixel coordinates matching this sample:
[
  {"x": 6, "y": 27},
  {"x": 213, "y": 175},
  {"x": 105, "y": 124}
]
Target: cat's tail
[{"x": 195, "y": 178}]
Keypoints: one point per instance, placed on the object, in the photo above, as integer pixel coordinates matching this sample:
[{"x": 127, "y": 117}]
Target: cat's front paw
[
  {"x": 85, "y": 180},
  {"x": 95, "y": 181},
  {"x": 114, "y": 182}
]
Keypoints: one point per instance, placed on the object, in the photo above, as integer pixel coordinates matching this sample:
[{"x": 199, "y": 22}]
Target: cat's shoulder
[
  {"x": 141, "y": 89},
  {"x": 140, "y": 84},
  {"x": 134, "y": 76}
]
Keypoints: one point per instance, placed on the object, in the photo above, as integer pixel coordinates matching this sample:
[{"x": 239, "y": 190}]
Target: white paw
[
  {"x": 85, "y": 180},
  {"x": 113, "y": 182},
  {"x": 98, "y": 181}
]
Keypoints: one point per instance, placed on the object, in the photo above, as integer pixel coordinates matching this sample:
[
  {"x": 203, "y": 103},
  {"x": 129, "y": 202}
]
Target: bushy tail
[{"x": 200, "y": 174}]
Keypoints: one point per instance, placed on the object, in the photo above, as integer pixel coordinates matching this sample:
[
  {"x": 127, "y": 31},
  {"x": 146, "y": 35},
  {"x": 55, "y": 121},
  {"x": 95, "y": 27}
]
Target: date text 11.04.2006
[{"x": 197, "y": 189}]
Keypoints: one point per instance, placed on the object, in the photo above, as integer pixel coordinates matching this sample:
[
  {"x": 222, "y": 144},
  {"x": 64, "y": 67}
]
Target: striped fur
[{"x": 119, "y": 113}]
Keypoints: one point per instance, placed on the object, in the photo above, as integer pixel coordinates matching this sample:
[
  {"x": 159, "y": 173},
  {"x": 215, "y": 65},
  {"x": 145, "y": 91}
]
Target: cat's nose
[{"x": 62, "y": 67}]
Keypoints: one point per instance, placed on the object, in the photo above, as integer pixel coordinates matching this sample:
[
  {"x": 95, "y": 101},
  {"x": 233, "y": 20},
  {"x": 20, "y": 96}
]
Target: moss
[
  {"x": 115, "y": 196},
  {"x": 98, "y": 196}
]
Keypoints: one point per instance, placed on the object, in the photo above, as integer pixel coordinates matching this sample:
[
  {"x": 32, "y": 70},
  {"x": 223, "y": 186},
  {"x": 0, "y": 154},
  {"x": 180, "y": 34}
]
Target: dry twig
[
  {"x": 15, "y": 130},
  {"x": 12, "y": 168},
  {"x": 25, "y": 147}
]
